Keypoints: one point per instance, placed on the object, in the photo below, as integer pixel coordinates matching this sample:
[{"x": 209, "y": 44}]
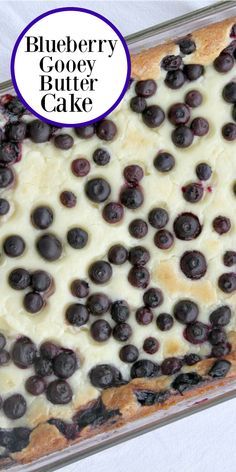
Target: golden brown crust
[
  {"x": 46, "y": 438},
  {"x": 209, "y": 41}
]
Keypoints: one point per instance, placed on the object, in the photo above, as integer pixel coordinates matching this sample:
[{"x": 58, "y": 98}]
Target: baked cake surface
[{"x": 118, "y": 280}]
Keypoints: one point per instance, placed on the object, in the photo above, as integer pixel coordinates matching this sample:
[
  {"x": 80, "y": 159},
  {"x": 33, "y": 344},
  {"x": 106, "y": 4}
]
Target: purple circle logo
[{"x": 70, "y": 67}]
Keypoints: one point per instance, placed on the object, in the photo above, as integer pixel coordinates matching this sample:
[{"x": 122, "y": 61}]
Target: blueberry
[
  {"x": 146, "y": 88},
  {"x": 217, "y": 336},
  {"x": 77, "y": 238},
  {"x": 153, "y": 297},
  {"x": 42, "y": 217},
  {"x": 193, "y": 192},
  {"x": 199, "y": 126},
  {"x": 104, "y": 376},
  {"x": 9, "y": 153},
  {"x": 196, "y": 333},
  {"x": 224, "y": 62},
  {"x": 153, "y": 116},
  {"x": 100, "y": 272},
  {"x": 49, "y": 350},
  {"x": 113, "y": 212},
  {"x": 38, "y": 131},
  {"x": 14, "y": 406},
  {"x": 139, "y": 256},
  {"x": 6, "y": 177},
  {"x": 43, "y": 367},
  {"x": 151, "y": 345},
  {"x": 19, "y": 279},
  {"x": 145, "y": 368},
  {"x": 100, "y": 330},
  {"x": 14, "y": 246},
  {"x": 179, "y": 114},
  {"x": 97, "y": 190},
  {"x": 221, "y": 224},
  {"x": 77, "y": 314},
  {"x": 85, "y": 132},
  {"x": 64, "y": 365},
  {"x": 106, "y": 130},
  {"x": 133, "y": 174},
  {"x": 33, "y": 302},
  {"x": 219, "y": 369},
  {"x": 35, "y": 385},
  {"x": 193, "y": 98},
  {"x": 164, "y": 321},
  {"x": 122, "y": 332},
  {"x": 230, "y": 49},
  {"x": 23, "y": 352},
  {"x": 193, "y": 264},
  {"x": 164, "y": 162},
  {"x": 171, "y": 365},
  {"x": 4, "y": 357},
  {"x": 139, "y": 277},
  {"x": 68, "y": 199},
  {"x": 129, "y": 353},
  {"x": 184, "y": 382},
  {"x": 63, "y": 141},
  {"x": 117, "y": 254},
  {"x": 203, "y": 171},
  {"x": 192, "y": 358},
  {"x": 120, "y": 311},
  {"x": 101, "y": 157},
  {"x": 79, "y": 288},
  {"x": 49, "y": 247},
  {"x": 80, "y": 167},
  {"x": 182, "y": 136},
  {"x": 98, "y": 304},
  {"x": 227, "y": 282},
  {"x": 163, "y": 239},
  {"x": 187, "y": 227},
  {"x": 220, "y": 350},
  {"x": 158, "y": 218},
  {"x": 16, "y": 131},
  {"x": 229, "y": 258},
  {"x": 4, "y": 206},
  {"x": 59, "y": 392},
  {"x": 131, "y": 198},
  {"x": 144, "y": 316},
  {"x": 186, "y": 311},
  {"x": 138, "y": 104},
  {"x": 193, "y": 71},
  {"x": 186, "y": 45},
  {"x": 41, "y": 281},
  {"x": 229, "y": 92},
  {"x": 14, "y": 106},
  {"x": 175, "y": 79},
  {"x": 229, "y": 131},
  {"x": 138, "y": 228},
  {"x": 171, "y": 62}
]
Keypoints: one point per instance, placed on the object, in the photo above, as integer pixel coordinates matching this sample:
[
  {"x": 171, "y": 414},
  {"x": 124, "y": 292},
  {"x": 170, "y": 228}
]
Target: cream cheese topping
[{"x": 45, "y": 171}]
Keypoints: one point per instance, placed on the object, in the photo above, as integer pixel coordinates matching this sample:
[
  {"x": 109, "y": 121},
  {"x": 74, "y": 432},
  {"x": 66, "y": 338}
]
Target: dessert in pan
[{"x": 118, "y": 280}]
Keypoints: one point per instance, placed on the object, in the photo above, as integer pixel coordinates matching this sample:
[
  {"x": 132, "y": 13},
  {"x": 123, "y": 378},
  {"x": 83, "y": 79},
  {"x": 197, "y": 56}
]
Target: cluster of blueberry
[
  {"x": 40, "y": 282},
  {"x": 53, "y": 365},
  {"x": 179, "y": 113}
]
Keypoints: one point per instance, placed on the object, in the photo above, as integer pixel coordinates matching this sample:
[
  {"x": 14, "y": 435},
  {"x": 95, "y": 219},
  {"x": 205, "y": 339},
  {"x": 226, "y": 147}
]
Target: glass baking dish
[{"x": 138, "y": 41}]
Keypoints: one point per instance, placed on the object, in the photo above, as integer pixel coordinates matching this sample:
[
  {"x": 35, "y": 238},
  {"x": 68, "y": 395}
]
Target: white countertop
[{"x": 204, "y": 442}]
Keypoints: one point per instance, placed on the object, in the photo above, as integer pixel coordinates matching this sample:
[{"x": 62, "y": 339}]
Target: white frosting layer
[{"x": 44, "y": 172}]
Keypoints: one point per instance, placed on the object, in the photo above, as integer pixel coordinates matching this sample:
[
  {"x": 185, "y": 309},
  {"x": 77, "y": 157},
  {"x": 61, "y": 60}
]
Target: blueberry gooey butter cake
[{"x": 118, "y": 251}]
